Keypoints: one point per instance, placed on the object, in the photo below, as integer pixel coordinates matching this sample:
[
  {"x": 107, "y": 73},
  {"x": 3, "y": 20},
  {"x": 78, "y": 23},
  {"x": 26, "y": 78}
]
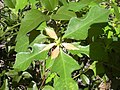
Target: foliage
[{"x": 60, "y": 45}]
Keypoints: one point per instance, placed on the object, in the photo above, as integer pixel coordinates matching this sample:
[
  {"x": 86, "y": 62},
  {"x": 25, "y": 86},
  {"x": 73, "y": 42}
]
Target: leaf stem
[{"x": 10, "y": 28}]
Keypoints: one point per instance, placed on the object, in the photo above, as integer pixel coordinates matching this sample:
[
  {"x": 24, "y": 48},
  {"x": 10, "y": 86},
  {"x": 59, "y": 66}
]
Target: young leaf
[
  {"x": 50, "y": 4},
  {"x": 78, "y": 29},
  {"x": 24, "y": 59},
  {"x": 66, "y": 65},
  {"x": 51, "y": 33},
  {"x": 55, "y": 53},
  {"x": 70, "y": 46}
]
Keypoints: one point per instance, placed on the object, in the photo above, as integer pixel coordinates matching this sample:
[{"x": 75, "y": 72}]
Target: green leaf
[
  {"x": 47, "y": 87},
  {"x": 65, "y": 84},
  {"x": 24, "y": 59},
  {"x": 50, "y": 4},
  {"x": 31, "y": 20},
  {"x": 39, "y": 39},
  {"x": 64, "y": 2},
  {"x": 5, "y": 85},
  {"x": 10, "y": 3},
  {"x": 85, "y": 79},
  {"x": 82, "y": 50},
  {"x": 63, "y": 14},
  {"x": 50, "y": 77},
  {"x": 22, "y": 44},
  {"x": 98, "y": 52},
  {"x": 66, "y": 65},
  {"x": 20, "y": 4},
  {"x": 77, "y": 6},
  {"x": 78, "y": 29}
]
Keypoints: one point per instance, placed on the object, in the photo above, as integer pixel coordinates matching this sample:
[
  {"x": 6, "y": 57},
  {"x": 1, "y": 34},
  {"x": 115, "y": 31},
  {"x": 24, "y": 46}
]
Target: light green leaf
[
  {"x": 63, "y": 14},
  {"x": 66, "y": 65},
  {"x": 20, "y": 4},
  {"x": 78, "y": 29},
  {"x": 10, "y": 3},
  {"x": 50, "y": 4},
  {"x": 85, "y": 79},
  {"x": 65, "y": 84},
  {"x": 24, "y": 59}
]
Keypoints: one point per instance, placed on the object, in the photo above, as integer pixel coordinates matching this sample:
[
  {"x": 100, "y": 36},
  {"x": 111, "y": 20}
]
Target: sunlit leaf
[
  {"x": 78, "y": 29},
  {"x": 24, "y": 59}
]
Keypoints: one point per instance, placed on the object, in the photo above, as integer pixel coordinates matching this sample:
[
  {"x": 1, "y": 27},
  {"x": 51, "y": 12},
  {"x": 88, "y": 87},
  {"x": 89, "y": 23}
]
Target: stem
[{"x": 10, "y": 29}]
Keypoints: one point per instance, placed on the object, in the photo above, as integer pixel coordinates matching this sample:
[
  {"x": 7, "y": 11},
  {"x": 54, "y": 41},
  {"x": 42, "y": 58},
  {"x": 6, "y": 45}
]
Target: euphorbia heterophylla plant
[{"x": 61, "y": 30}]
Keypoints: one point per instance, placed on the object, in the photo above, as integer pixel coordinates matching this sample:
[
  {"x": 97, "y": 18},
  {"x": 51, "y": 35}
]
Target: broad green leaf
[
  {"x": 22, "y": 44},
  {"x": 66, "y": 65},
  {"x": 78, "y": 29},
  {"x": 24, "y": 59},
  {"x": 63, "y": 14},
  {"x": 65, "y": 84},
  {"x": 31, "y": 20},
  {"x": 50, "y": 4},
  {"x": 47, "y": 87},
  {"x": 20, "y": 4},
  {"x": 10, "y": 3}
]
